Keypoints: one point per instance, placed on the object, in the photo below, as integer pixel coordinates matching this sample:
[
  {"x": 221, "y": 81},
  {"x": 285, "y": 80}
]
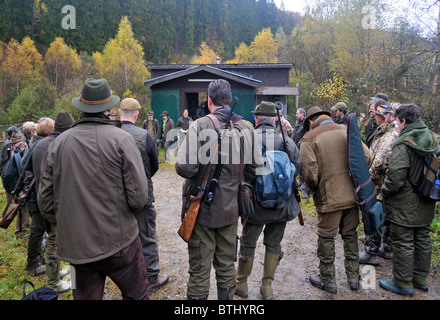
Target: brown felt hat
[{"x": 312, "y": 112}]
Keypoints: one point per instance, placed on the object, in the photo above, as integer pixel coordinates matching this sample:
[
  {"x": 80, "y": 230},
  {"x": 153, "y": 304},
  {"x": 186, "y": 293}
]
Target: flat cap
[{"x": 130, "y": 104}]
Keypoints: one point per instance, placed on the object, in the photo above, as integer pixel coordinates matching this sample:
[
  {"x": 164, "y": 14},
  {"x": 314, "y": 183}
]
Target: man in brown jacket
[
  {"x": 93, "y": 180},
  {"x": 325, "y": 171},
  {"x": 213, "y": 240}
]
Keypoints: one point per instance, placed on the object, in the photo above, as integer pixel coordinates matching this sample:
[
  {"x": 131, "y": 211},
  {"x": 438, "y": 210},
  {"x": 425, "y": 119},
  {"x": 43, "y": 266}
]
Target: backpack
[
  {"x": 274, "y": 187},
  {"x": 428, "y": 185},
  {"x": 43, "y": 293},
  {"x": 13, "y": 175},
  {"x": 12, "y": 172}
]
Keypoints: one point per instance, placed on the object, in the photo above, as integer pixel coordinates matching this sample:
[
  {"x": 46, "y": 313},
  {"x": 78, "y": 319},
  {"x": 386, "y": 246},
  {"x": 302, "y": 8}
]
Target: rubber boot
[
  {"x": 351, "y": 253},
  {"x": 271, "y": 261},
  {"x": 326, "y": 254},
  {"x": 244, "y": 270},
  {"x": 53, "y": 277},
  {"x": 225, "y": 291}
]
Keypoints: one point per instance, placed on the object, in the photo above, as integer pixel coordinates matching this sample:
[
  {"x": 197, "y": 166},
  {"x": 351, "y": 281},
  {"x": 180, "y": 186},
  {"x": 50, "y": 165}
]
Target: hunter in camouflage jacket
[{"x": 380, "y": 148}]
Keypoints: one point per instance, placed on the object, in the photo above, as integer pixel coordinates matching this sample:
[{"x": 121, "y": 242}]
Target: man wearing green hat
[
  {"x": 340, "y": 110},
  {"x": 273, "y": 221},
  {"x": 93, "y": 180},
  {"x": 325, "y": 171}
]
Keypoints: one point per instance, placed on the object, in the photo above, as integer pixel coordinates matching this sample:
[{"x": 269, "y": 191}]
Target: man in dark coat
[
  {"x": 146, "y": 218},
  {"x": 93, "y": 180},
  {"x": 409, "y": 213},
  {"x": 213, "y": 240},
  {"x": 47, "y": 223},
  {"x": 273, "y": 221}
]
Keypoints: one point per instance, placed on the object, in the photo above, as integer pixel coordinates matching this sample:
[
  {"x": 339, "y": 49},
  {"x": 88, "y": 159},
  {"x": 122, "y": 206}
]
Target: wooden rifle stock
[
  {"x": 189, "y": 219},
  {"x": 187, "y": 226},
  {"x": 300, "y": 217},
  {"x": 20, "y": 201}
]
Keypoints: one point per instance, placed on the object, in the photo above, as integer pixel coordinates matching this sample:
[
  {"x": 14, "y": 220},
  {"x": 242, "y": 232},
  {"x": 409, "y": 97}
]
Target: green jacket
[{"x": 402, "y": 205}]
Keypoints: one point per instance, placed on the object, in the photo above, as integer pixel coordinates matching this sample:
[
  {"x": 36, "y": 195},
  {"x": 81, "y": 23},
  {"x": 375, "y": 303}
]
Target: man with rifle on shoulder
[{"x": 213, "y": 238}]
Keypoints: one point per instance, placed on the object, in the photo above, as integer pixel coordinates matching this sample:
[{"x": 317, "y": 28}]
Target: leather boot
[
  {"x": 53, "y": 277},
  {"x": 225, "y": 291},
  {"x": 200, "y": 296},
  {"x": 351, "y": 253},
  {"x": 244, "y": 270},
  {"x": 326, "y": 254},
  {"x": 271, "y": 261}
]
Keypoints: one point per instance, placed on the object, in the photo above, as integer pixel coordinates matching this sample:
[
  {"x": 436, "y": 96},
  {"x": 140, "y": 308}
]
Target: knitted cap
[{"x": 63, "y": 121}]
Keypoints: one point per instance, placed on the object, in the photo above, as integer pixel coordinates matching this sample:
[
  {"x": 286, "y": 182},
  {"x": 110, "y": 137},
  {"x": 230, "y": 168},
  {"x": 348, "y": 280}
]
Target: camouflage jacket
[{"x": 380, "y": 148}]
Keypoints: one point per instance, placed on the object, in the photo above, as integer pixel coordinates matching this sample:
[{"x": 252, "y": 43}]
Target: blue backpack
[
  {"x": 11, "y": 176},
  {"x": 274, "y": 187}
]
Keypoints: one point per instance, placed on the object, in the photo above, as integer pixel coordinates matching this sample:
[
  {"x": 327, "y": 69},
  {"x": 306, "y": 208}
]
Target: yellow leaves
[
  {"x": 207, "y": 55},
  {"x": 21, "y": 61},
  {"x": 331, "y": 91},
  {"x": 263, "y": 48},
  {"x": 62, "y": 62},
  {"x": 242, "y": 54},
  {"x": 122, "y": 60}
]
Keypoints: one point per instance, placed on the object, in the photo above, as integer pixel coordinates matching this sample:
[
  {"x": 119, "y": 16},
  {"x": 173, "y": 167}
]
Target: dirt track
[{"x": 291, "y": 279}]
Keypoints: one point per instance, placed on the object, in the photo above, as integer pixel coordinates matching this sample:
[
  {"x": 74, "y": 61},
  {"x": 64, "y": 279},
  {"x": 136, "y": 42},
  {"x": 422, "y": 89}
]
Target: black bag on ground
[{"x": 43, "y": 293}]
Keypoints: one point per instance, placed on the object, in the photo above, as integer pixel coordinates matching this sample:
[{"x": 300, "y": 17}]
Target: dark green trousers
[
  {"x": 216, "y": 246},
  {"x": 273, "y": 235},
  {"x": 411, "y": 254}
]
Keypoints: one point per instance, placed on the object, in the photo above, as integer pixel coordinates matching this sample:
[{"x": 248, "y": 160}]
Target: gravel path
[{"x": 291, "y": 279}]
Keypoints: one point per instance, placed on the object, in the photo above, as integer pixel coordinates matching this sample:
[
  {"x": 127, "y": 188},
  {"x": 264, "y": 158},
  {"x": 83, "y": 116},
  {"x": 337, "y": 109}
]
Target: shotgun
[
  {"x": 20, "y": 201},
  {"x": 295, "y": 186}
]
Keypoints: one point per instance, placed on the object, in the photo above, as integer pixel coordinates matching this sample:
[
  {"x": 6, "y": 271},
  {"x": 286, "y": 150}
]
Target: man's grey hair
[
  {"x": 128, "y": 113},
  {"x": 267, "y": 119},
  {"x": 302, "y": 111},
  {"x": 220, "y": 92}
]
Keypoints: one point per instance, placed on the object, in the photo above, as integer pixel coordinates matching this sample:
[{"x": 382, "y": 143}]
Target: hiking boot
[
  {"x": 353, "y": 283},
  {"x": 367, "y": 258},
  {"x": 36, "y": 271},
  {"x": 225, "y": 291},
  {"x": 390, "y": 285},
  {"x": 385, "y": 253},
  {"x": 160, "y": 281},
  {"x": 316, "y": 281}
]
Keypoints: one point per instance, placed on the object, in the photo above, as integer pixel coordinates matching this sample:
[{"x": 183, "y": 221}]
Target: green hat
[
  {"x": 96, "y": 97},
  {"x": 380, "y": 95},
  {"x": 339, "y": 106},
  {"x": 312, "y": 112},
  {"x": 265, "y": 108}
]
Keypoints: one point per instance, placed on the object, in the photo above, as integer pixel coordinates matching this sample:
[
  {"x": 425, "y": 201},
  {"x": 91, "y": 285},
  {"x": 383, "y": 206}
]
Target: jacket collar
[{"x": 97, "y": 120}]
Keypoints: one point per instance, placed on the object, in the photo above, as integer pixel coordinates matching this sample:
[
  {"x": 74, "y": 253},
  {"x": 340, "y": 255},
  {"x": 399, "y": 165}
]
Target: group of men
[{"x": 95, "y": 195}]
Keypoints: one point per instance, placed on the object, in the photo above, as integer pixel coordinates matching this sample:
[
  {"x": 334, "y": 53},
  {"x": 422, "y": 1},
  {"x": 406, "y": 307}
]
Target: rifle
[
  {"x": 189, "y": 219},
  {"x": 9, "y": 215},
  {"x": 213, "y": 181},
  {"x": 212, "y": 174},
  {"x": 295, "y": 186}
]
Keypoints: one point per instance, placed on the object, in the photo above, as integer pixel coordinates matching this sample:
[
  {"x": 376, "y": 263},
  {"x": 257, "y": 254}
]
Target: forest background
[{"x": 341, "y": 50}]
